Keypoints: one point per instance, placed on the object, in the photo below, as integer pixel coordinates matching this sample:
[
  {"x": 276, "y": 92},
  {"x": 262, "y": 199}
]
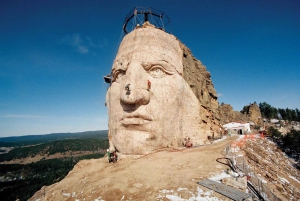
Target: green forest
[
  {"x": 21, "y": 181},
  {"x": 50, "y": 148},
  {"x": 27, "y": 140},
  {"x": 267, "y": 111}
]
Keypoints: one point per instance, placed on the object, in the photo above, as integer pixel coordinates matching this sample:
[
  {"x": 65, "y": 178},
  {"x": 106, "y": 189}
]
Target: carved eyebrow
[
  {"x": 115, "y": 74},
  {"x": 170, "y": 69},
  {"x": 118, "y": 65}
]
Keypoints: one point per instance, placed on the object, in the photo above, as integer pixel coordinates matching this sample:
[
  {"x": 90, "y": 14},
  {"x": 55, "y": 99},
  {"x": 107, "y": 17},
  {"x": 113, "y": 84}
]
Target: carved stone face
[{"x": 143, "y": 118}]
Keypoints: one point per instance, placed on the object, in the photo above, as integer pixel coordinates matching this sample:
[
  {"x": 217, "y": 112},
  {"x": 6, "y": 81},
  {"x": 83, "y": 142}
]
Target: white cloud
[
  {"x": 82, "y": 49},
  {"x": 219, "y": 95},
  {"x": 83, "y": 44}
]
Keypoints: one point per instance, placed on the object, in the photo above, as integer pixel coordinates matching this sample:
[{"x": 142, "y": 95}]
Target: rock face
[
  {"x": 227, "y": 114},
  {"x": 160, "y": 95},
  {"x": 252, "y": 111},
  {"x": 199, "y": 80}
]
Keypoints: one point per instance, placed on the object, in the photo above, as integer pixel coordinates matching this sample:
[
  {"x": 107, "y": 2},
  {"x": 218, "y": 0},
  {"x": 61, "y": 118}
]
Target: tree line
[
  {"x": 269, "y": 112},
  {"x": 59, "y": 146},
  {"x": 19, "y": 141}
]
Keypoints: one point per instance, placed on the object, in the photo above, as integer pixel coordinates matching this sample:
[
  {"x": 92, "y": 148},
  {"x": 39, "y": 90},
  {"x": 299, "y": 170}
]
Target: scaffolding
[{"x": 139, "y": 15}]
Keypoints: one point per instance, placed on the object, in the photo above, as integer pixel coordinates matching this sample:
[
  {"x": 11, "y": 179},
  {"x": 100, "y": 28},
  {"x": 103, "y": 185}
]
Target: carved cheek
[
  {"x": 165, "y": 95},
  {"x": 113, "y": 96}
]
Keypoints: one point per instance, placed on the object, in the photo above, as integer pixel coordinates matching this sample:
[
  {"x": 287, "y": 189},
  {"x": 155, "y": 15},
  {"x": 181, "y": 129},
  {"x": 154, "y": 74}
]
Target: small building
[
  {"x": 237, "y": 128},
  {"x": 274, "y": 121}
]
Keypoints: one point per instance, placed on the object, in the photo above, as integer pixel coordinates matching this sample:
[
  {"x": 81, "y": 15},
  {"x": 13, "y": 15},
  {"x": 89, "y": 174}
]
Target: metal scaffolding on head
[{"x": 139, "y": 15}]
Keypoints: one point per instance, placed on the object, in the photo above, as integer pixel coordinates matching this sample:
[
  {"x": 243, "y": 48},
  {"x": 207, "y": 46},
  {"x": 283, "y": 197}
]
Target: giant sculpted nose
[{"x": 134, "y": 86}]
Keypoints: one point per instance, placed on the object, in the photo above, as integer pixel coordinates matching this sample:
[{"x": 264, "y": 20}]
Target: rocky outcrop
[
  {"x": 199, "y": 79},
  {"x": 252, "y": 111},
  {"x": 227, "y": 115}
]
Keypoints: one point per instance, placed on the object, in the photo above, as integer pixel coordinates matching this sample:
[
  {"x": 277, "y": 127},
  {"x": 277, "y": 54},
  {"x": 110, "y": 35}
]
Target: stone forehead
[{"x": 150, "y": 44}]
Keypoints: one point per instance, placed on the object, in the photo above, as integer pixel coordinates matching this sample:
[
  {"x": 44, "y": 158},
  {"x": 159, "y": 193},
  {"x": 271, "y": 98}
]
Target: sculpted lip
[{"x": 135, "y": 120}]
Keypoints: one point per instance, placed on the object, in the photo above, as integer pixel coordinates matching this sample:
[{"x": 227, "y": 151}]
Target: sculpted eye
[
  {"x": 119, "y": 75},
  {"x": 157, "y": 72}
]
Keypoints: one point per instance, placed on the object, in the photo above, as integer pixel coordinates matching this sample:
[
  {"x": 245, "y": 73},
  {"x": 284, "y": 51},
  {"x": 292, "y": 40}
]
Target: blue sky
[{"x": 53, "y": 55}]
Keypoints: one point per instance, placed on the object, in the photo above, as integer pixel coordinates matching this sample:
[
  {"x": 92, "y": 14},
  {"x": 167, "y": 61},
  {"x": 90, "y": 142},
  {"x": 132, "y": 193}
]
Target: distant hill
[
  {"x": 29, "y": 162},
  {"x": 36, "y": 139}
]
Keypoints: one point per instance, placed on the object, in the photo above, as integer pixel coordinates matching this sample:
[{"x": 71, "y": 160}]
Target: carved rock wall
[
  {"x": 199, "y": 80},
  {"x": 180, "y": 103}
]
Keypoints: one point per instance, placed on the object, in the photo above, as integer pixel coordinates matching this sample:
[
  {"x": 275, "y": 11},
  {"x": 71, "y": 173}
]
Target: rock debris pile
[{"x": 274, "y": 167}]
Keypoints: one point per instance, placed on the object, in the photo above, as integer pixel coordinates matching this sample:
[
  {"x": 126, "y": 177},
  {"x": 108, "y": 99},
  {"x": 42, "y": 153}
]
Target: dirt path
[{"x": 150, "y": 177}]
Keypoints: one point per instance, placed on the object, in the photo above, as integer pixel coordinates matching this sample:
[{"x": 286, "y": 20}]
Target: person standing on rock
[
  {"x": 108, "y": 155},
  {"x": 188, "y": 143}
]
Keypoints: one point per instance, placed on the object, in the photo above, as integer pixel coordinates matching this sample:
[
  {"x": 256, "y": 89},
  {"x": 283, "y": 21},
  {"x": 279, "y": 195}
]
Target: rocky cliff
[
  {"x": 252, "y": 111},
  {"x": 213, "y": 115},
  {"x": 227, "y": 114},
  {"x": 199, "y": 80}
]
